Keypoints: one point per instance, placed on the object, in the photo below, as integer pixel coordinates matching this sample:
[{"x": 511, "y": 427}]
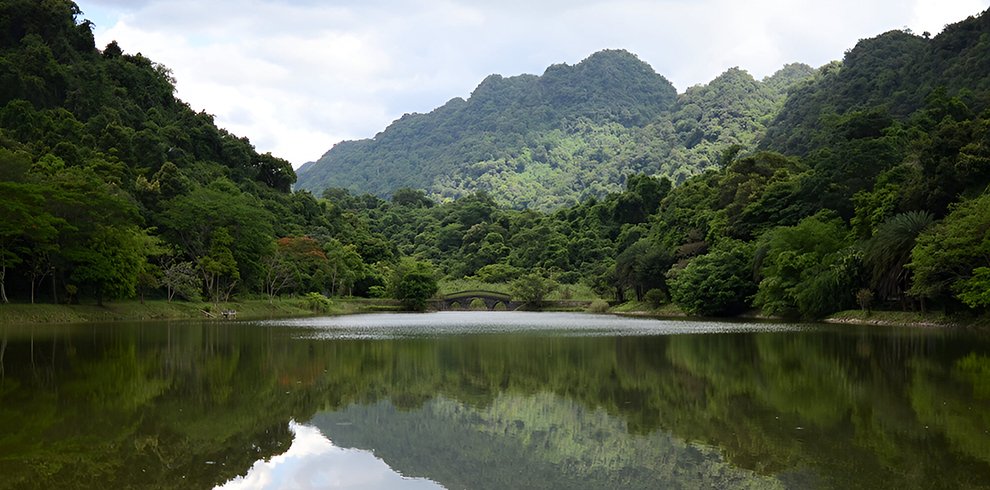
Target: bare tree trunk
[
  {"x": 3, "y": 349},
  {"x": 3, "y": 286}
]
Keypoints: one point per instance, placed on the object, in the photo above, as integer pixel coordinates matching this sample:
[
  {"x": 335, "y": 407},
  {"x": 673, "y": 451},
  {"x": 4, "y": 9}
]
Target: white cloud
[
  {"x": 933, "y": 15},
  {"x": 296, "y": 77},
  {"x": 312, "y": 461}
]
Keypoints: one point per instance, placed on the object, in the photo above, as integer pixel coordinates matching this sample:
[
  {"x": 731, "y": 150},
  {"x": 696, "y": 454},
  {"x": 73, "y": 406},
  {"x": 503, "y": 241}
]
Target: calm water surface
[{"x": 492, "y": 400}]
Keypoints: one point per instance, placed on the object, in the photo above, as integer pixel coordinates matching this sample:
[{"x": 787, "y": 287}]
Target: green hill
[
  {"x": 553, "y": 140},
  {"x": 893, "y": 74}
]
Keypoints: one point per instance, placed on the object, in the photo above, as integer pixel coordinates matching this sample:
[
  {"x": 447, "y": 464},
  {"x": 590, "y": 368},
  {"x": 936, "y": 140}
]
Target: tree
[
  {"x": 219, "y": 268},
  {"x": 808, "y": 268},
  {"x": 41, "y": 264},
  {"x": 275, "y": 172},
  {"x": 533, "y": 288},
  {"x": 181, "y": 278},
  {"x": 279, "y": 273},
  {"x": 413, "y": 282},
  {"x": 111, "y": 260},
  {"x": 886, "y": 254},
  {"x": 190, "y": 221},
  {"x": 412, "y": 198},
  {"x": 643, "y": 266},
  {"x": 975, "y": 291},
  {"x": 717, "y": 283},
  {"x": 345, "y": 266},
  {"x": 947, "y": 256},
  {"x": 25, "y": 221},
  {"x": 299, "y": 261}
]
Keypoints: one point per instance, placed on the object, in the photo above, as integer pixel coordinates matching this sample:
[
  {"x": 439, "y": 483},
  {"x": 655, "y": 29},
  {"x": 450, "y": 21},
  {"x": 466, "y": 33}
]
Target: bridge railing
[{"x": 477, "y": 293}]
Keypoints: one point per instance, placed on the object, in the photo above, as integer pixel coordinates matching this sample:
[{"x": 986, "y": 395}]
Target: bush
[
  {"x": 655, "y": 298},
  {"x": 413, "y": 282},
  {"x": 598, "y": 306},
  {"x": 532, "y": 288},
  {"x": 717, "y": 283},
  {"x": 497, "y": 273},
  {"x": 568, "y": 277},
  {"x": 809, "y": 268},
  {"x": 376, "y": 292},
  {"x": 317, "y": 303},
  {"x": 865, "y": 299}
]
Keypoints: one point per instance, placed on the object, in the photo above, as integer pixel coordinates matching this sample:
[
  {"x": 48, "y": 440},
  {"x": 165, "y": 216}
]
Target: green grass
[
  {"x": 251, "y": 309},
  {"x": 644, "y": 308},
  {"x": 930, "y": 319}
]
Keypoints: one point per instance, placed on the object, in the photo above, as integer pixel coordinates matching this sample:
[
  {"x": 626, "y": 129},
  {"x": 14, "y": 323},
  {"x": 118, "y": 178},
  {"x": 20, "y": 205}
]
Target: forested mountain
[
  {"x": 885, "y": 204},
  {"x": 110, "y": 186},
  {"x": 554, "y": 140},
  {"x": 870, "y": 186},
  {"x": 894, "y": 74}
]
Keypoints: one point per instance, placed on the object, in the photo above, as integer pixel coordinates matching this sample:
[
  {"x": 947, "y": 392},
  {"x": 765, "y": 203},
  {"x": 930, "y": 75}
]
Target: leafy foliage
[
  {"x": 532, "y": 288},
  {"x": 413, "y": 282},
  {"x": 554, "y": 140},
  {"x": 871, "y": 177},
  {"x": 718, "y": 283},
  {"x": 947, "y": 256},
  {"x": 807, "y": 268}
]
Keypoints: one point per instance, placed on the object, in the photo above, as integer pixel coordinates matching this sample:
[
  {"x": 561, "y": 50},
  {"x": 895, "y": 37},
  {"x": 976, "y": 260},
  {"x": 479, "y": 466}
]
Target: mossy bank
[{"x": 177, "y": 310}]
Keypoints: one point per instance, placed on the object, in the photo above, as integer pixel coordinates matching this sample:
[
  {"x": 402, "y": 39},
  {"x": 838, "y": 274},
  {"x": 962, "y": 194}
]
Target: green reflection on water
[{"x": 193, "y": 405}]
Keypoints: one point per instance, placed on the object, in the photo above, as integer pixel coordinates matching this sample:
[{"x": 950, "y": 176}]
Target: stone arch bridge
[{"x": 463, "y": 300}]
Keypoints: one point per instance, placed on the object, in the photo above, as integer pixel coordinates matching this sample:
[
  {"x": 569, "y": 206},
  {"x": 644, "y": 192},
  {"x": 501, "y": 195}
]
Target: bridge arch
[{"x": 491, "y": 299}]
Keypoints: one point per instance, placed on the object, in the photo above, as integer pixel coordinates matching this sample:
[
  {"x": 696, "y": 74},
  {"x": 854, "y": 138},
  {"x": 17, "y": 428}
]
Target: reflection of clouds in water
[
  {"x": 409, "y": 325},
  {"x": 312, "y": 461}
]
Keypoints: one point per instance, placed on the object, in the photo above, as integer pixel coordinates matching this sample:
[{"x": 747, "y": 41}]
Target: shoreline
[
  {"x": 160, "y": 310},
  {"x": 846, "y": 317},
  {"x": 263, "y": 309},
  {"x": 906, "y": 318}
]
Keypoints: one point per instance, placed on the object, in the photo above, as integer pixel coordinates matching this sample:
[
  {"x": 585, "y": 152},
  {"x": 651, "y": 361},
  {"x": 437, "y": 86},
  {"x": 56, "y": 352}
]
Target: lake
[{"x": 492, "y": 400}]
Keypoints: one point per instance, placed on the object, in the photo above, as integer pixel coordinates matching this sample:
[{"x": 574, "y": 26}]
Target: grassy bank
[
  {"x": 641, "y": 308},
  {"x": 910, "y": 318},
  {"x": 178, "y": 310},
  {"x": 849, "y": 317}
]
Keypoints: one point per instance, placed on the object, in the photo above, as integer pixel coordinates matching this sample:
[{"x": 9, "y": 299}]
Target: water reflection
[
  {"x": 446, "y": 323},
  {"x": 536, "y": 441},
  {"x": 312, "y": 461},
  {"x": 567, "y": 401}
]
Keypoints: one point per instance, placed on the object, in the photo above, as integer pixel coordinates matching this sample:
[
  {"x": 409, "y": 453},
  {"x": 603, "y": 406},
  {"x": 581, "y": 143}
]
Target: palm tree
[{"x": 889, "y": 250}]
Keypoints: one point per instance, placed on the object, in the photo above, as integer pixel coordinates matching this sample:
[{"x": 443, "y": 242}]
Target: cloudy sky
[{"x": 297, "y": 76}]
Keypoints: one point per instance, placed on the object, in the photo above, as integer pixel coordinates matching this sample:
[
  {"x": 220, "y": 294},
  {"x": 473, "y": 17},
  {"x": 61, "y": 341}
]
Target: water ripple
[{"x": 412, "y": 325}]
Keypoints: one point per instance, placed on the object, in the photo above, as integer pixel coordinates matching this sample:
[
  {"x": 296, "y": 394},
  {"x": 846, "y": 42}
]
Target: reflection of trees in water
[
  {"x": 116, "y": 407},
  {"x": 539, "y": 440},
  {"x": 850, "y": 407}
]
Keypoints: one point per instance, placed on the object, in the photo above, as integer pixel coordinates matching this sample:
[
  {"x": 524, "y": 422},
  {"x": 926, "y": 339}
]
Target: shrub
[
  {"x": 317, "y": 302},
  {"x": 376, "y": 292},
  {"x": 717, "y": 283},
  {"x": 413, "y": 283},
  {"x": 497, "y": 273},
  {"x": 598, "y": 306},
  {"x": 533, "y": 288},
  {"x": 655, "y": 297}
]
